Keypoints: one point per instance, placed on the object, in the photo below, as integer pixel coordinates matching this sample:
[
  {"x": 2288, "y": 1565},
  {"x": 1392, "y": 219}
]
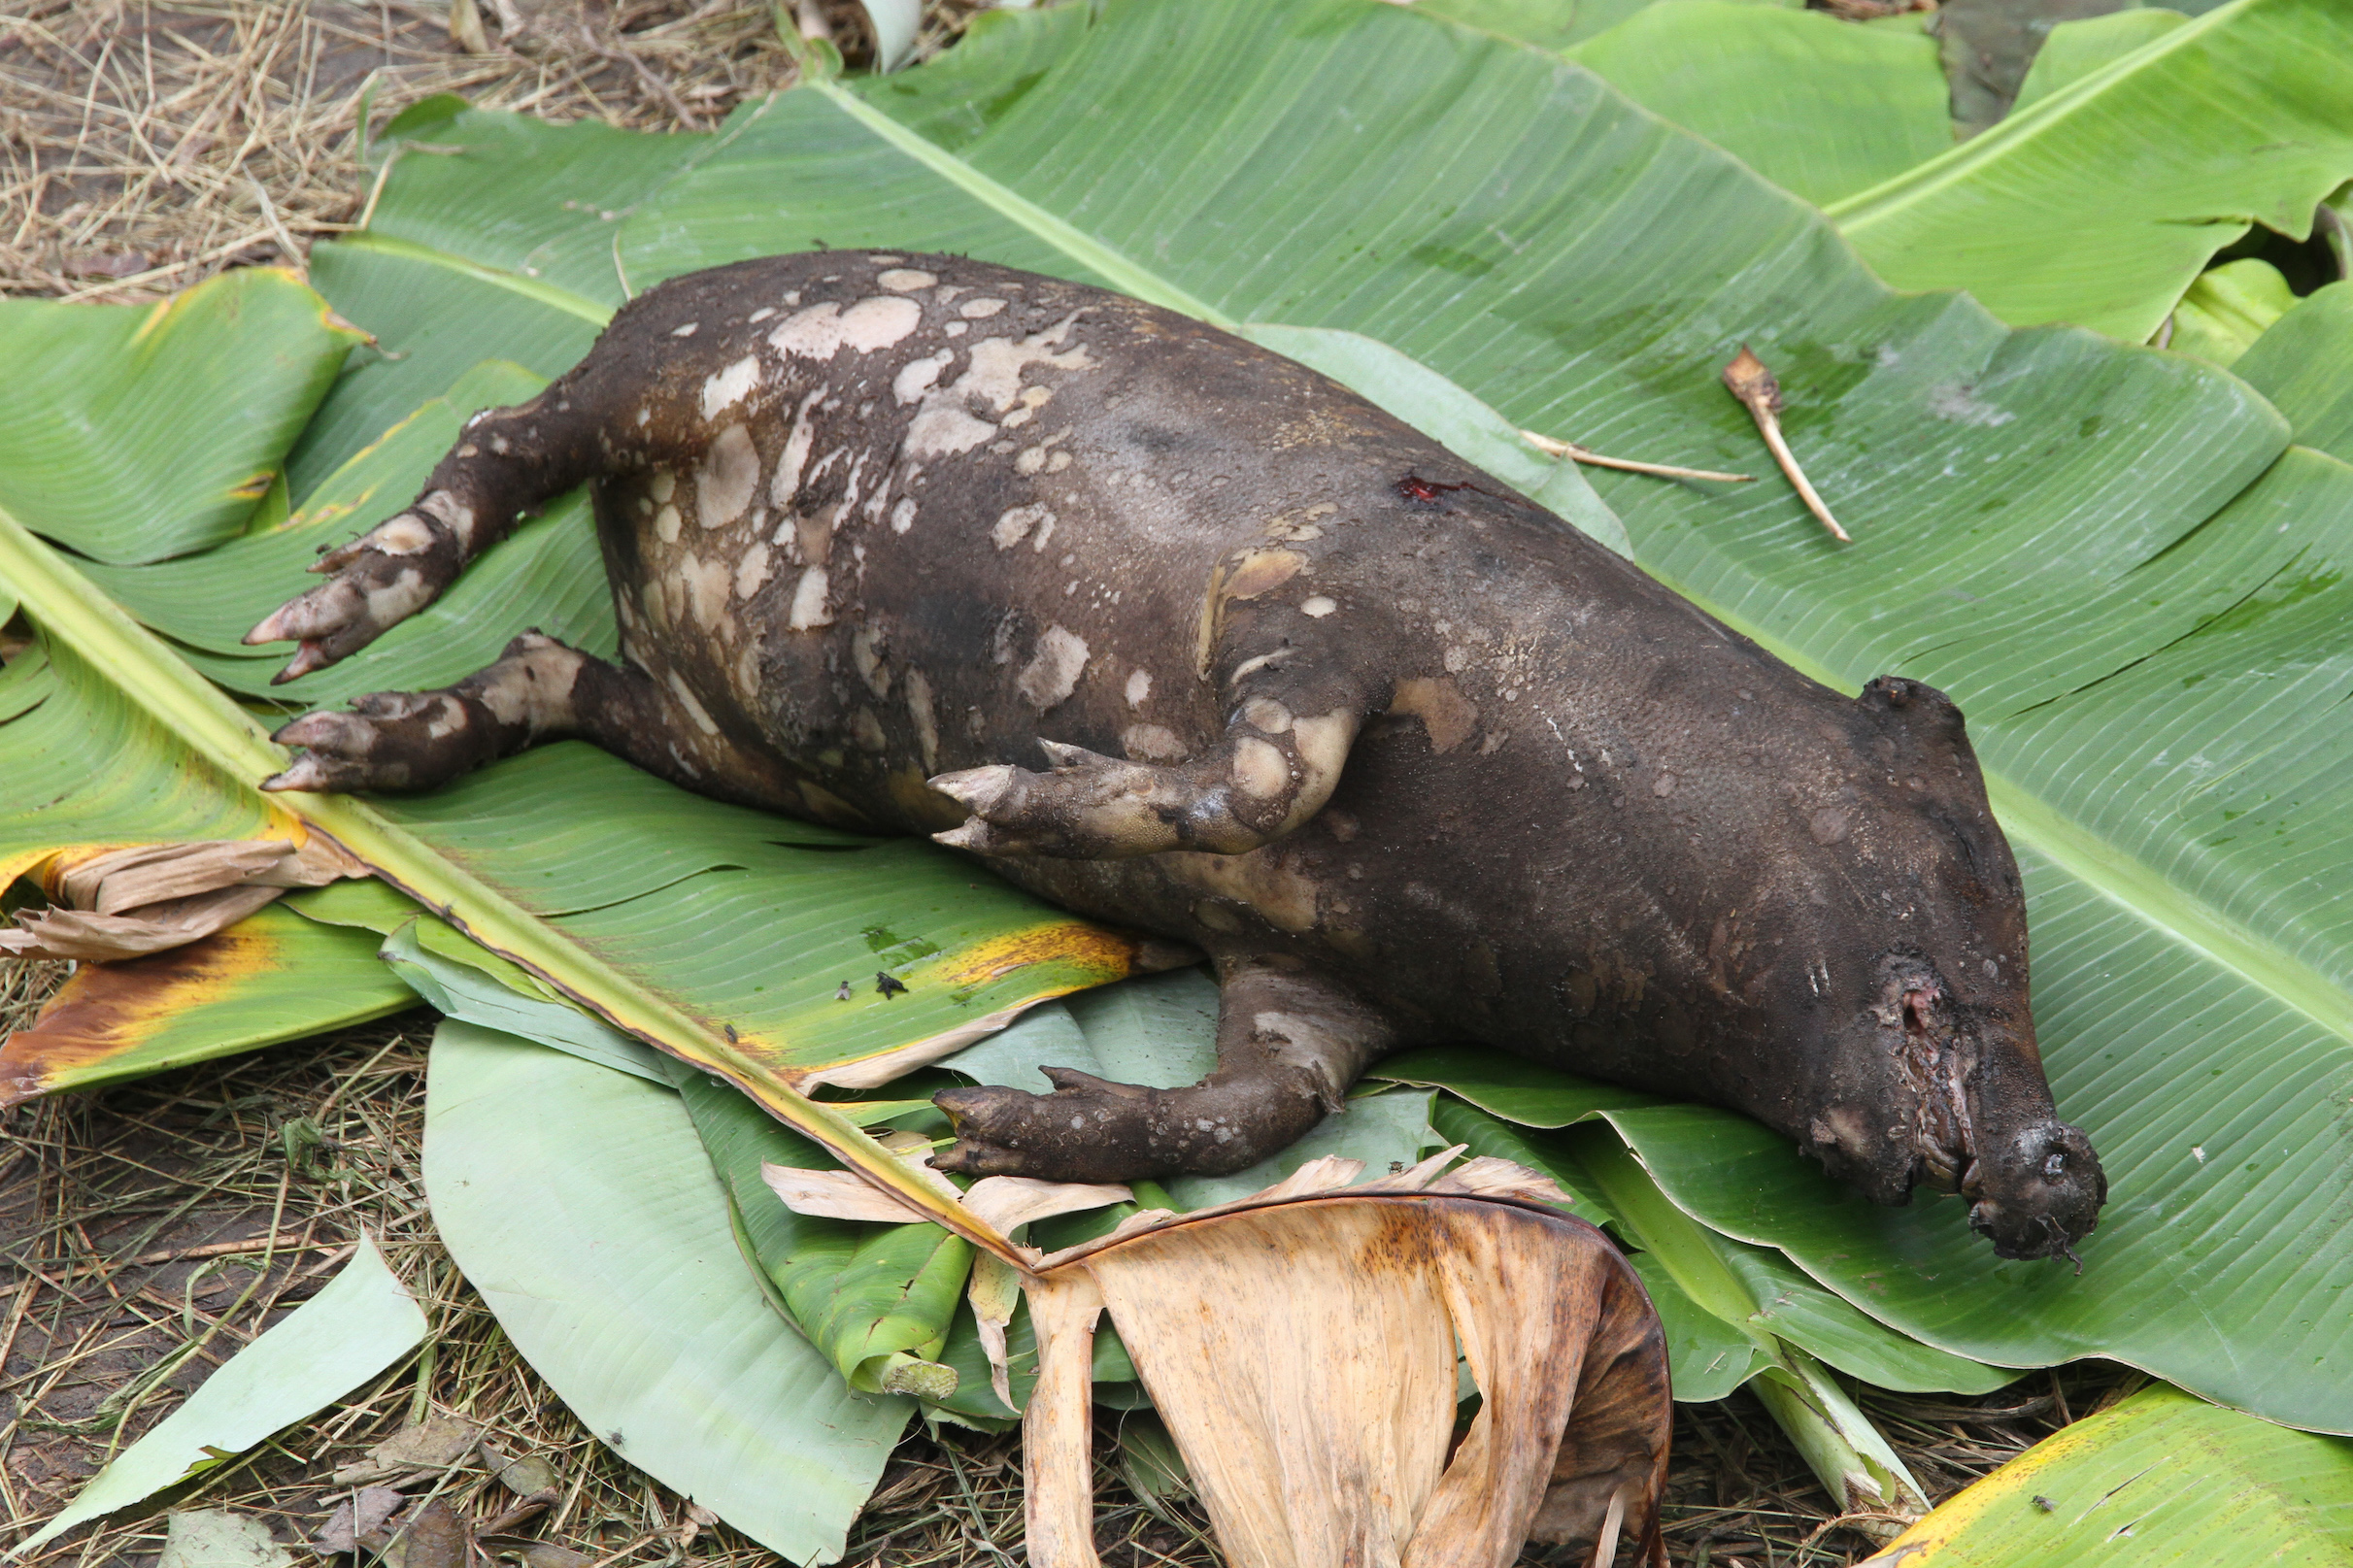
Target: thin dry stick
[
  {"x": 1754, "y": 385},
  {"x": 1551, "y": 448}
]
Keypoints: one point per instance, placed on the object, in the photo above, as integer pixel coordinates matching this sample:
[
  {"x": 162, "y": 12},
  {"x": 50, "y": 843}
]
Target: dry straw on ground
[{"x": 148, "y": 146}]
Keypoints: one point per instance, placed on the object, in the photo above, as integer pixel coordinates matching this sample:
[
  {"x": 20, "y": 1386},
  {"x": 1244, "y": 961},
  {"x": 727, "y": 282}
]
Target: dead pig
[{"x": 1183, "y": 636}]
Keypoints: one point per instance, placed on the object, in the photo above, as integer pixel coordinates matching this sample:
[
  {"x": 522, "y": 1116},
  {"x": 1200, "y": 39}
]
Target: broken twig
[
  {"x": 1754, "y": 385},
  {"x": 1551, "y": 448}
]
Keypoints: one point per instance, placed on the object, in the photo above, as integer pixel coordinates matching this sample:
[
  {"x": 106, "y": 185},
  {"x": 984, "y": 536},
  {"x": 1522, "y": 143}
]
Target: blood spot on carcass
[{"x": 1420, "y": 491}]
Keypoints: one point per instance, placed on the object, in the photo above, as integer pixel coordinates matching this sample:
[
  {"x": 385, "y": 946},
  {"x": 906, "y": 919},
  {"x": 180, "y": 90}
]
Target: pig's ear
[{"x": 1921, "y": 709}]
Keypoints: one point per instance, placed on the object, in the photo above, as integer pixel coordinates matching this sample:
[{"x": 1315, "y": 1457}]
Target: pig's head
[{"x": 1930, "y": 1073}]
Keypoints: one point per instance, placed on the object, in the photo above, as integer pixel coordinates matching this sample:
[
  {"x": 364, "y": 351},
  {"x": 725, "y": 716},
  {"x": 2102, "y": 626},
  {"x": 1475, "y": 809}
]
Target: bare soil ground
[{"x": 142, "y": 148}]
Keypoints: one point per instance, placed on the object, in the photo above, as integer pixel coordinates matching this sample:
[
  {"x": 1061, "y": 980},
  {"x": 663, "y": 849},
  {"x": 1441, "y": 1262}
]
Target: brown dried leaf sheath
[
  {"x": 1303, "y": 1353},
  {"x": 127, "y": 903}
]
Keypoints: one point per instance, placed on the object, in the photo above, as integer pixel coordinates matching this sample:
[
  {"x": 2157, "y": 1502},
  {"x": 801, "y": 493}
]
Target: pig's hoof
[
  {"x": 1089, "y": 1129},
  {"x": 378, "y": 580},
  {"x": 1090, "y": 806},
  {"x": 391, "y": 739}
]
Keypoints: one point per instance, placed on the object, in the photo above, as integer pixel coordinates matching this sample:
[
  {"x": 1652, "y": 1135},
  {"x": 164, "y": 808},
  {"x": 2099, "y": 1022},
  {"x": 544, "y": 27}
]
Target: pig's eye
[{"x": 2054, "y": 1166}]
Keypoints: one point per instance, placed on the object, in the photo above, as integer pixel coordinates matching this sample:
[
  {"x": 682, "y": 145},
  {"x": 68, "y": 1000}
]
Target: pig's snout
[{"x": 2038, "y": 1193}]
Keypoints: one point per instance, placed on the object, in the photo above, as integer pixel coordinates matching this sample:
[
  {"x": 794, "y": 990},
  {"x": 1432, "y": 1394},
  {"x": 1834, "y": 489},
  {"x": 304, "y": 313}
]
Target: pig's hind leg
[
  {"x": 1289, "y": 1045},
  {"x": 537, "y": 690},
  {"x": 507, "y": 463}
]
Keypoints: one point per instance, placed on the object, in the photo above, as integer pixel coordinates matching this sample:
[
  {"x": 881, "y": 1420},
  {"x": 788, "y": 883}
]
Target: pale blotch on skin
[
  {"x": 809, "y": 602},
  {"x": 945, "y": 430},
  {"x": 919, "y": 714},
  {"x": 865, "y": 651},
  {"x": 665, "y": 524},
  {"x": 1316, "y": 607},
  {"x": 1013, "y": 527},
  {"x": 867, "y": 731},
  {"x": 1152, "y": 743},
  {"x": 452, "y": 513},
  {"x": 1449, "y": 717},
  {"x": 980, "y": 309},
  {"x": 795, "y": 456},
  {"x": 906, "y": 280},
  {"x": 686, "y": 332},
  {"x": 1457, "y": 659},
  {"x": 1054, "y": 670},
  {"x": 404, "y": 535},
  {"x": 917, "y": 377},
  {"x": 1267, "y": 715},
  {"x": 707, "y": 583},
  {"x": 1139, "y": 689},
  {"x": 662, "y": 485},
  {"x": 823, "y": 331},
  {"x": 759, "y": 316},
  {"x": 724, "y": 388},
  {"x": 1261, "y": 768},
  {"x": 730, "y": 474},
  {"x": 753, "y": 570},
  {"x": 694, "y": 710},
  {"x": 902, "y": 516}
]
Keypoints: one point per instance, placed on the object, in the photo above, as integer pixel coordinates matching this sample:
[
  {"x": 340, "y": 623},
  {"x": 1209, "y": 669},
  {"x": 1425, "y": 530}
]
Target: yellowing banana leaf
[
  {"x": 105, "y": 453},
  {"x": 273, "y": 976},
  {"x": 595, "y": 1231},
  {"x": 89, "y": 770},
  {"x": 2161, "y": 1478},
  {"x": 2101, "y": 201}
]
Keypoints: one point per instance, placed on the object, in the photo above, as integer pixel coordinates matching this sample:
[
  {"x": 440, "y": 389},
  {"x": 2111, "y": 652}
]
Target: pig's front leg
[{"x": 1290, "y": 1043}]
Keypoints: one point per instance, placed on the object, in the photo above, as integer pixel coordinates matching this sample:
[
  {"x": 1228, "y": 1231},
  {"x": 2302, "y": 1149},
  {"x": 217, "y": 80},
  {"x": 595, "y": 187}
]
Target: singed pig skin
[{"x": 1183, "y": 636}]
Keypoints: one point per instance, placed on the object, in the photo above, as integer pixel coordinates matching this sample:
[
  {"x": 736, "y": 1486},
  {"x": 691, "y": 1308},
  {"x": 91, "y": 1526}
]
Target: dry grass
[{"x": 147, "y": 146}]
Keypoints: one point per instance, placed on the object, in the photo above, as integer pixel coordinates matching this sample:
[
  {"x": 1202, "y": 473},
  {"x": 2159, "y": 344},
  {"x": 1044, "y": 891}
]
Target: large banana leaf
[{"x": 2047, "y": 524}]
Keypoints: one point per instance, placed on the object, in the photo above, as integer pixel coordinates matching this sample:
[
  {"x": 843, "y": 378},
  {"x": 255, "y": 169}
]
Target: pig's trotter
[
  {"x": 510, "y": 461},
  {"x": 1289, "y": 1045}
]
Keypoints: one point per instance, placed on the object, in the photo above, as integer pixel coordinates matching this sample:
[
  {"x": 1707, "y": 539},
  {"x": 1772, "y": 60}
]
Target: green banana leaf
[
  {"x": 2098, "y": 203},
  {"x": 106, "y": 456},
  {"x": 593, "y": 1228},
  {"x": 2299, "y": 365},
  {"x": 2074, "y": 49},
  {"x": 359, "y": 1323},
  {"x": 1818, "y": 106},
  {"x": 2160, "y": 1477},
  {"x": 2050, "y": 527}
]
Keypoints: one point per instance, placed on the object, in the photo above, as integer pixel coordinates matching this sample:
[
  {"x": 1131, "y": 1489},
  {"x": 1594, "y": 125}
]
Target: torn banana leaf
[
  {"x": 2160, "y": 1477},
  {"x": 270, "y": 977},
  {"x": 595, "y": 1231},
  {"x": 90, "y": 772}
]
